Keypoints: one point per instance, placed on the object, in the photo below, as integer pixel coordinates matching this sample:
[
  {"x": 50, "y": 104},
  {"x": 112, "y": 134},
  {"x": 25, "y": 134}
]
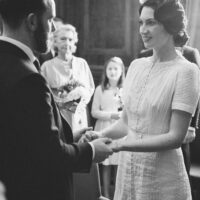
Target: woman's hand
[
  {"x": 71, "y": 106},
  {"x": 115, "y": 115},
  {"x": 74, "y": 94},
  {"x": 190, "y": 135}
]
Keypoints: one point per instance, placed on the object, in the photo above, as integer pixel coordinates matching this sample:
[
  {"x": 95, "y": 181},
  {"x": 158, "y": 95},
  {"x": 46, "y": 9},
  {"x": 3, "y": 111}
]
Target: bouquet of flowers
[
  {"x": 118, "y": 96},
  {"x": 71, "y": 91}
]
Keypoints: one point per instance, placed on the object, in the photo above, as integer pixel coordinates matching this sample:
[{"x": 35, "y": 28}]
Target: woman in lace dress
[
  {"x": 160, "y": 94},
  {"x": 64, "y": 68}
]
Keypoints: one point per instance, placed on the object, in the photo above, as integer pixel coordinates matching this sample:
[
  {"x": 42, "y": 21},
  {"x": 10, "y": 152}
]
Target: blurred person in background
[
  {"x": 69, "y": 77},
  {"x": 106, "y": 109}
]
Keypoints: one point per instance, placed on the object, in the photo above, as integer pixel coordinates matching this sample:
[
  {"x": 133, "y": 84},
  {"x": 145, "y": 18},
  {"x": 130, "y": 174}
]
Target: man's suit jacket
[{"x": 37, "y": 156}]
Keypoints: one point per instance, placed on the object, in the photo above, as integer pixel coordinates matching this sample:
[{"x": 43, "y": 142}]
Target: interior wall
[
  {"x": 193, "y": 8},
  {"x": 105, "y": 28}
]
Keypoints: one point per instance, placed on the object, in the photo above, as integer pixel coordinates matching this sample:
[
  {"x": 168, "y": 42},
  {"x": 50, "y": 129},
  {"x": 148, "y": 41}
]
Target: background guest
[
  {"x": 65, "y": 68},
  {"x": 106, "y": 108}
]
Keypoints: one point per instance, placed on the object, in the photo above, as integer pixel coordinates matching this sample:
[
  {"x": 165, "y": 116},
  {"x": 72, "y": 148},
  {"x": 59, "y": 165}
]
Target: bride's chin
[{"x": 147, "y": 45}]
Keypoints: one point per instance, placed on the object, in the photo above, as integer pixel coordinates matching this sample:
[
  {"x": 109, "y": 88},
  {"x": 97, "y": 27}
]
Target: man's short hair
[{"x": 14, "y": 11}]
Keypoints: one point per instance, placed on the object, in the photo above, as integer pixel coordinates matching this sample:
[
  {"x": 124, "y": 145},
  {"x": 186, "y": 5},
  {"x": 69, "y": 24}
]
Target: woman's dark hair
[
  {"x": 105, "y": 82},
  {"x": 171, "y": 14}
]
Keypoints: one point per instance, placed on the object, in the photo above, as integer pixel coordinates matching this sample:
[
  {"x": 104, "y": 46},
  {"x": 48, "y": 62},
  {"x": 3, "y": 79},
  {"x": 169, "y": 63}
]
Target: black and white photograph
[{"x": 99, "y": 100}]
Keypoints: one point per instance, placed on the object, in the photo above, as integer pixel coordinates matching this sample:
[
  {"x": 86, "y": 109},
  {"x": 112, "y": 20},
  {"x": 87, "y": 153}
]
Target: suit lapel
[
  {"x": 65, "y": 130},
  {"x": 8, "y": 48},
  {"x": 21, "y": 66}
]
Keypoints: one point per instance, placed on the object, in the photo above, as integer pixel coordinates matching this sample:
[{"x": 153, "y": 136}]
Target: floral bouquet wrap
[{"x": 72, "y": 91}]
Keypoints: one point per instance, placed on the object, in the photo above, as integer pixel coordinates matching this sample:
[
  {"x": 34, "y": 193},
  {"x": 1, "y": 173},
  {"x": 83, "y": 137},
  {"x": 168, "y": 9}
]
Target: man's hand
[
  {"x": 79, "y": 133},
  {"x": 102, "y": 149},
  {"x": 89, "y": 136},
  {"x": 71, "y": 106}
]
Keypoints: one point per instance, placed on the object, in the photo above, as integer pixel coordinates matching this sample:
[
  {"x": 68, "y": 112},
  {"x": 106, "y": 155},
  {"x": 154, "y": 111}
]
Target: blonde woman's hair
[{"x": 66, "y": 28}]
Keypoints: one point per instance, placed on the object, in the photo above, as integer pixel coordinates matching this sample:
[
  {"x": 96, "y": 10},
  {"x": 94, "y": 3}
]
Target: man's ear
[{"x": 32, "y": 21}]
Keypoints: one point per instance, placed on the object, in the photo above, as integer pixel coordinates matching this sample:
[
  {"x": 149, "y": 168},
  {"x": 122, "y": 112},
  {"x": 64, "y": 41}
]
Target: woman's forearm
[
  {"x": 116, "y": 130},
  {"x": 100, "y": 114},
  {"x": 150, "y": 144}
]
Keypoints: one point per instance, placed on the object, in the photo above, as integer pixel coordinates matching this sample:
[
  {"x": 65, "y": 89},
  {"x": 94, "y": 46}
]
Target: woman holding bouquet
[
  {"x": 160, "y": 96},
  {"x": 69, "y": 77}
]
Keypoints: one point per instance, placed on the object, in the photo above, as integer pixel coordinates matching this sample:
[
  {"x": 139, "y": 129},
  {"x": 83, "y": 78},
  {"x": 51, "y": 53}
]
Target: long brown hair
[{"x": 105, "y": 81}]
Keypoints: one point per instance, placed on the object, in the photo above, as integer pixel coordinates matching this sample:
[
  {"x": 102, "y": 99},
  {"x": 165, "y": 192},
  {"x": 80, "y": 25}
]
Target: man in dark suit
[
  {"x": 192, "y": 55},
  {"x": 37, "y": 153}
]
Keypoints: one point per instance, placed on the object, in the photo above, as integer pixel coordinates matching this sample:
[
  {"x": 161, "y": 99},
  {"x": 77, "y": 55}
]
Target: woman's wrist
[
  {"x": 110, "y": 116},
  {"x": 120, "y": 145},
  {"x": 100, "y": 134},
  {"x": 117, "y": 145}
]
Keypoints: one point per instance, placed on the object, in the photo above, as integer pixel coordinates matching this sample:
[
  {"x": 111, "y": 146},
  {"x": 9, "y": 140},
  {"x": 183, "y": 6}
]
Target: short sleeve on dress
[{"x": 186, "y": 93}]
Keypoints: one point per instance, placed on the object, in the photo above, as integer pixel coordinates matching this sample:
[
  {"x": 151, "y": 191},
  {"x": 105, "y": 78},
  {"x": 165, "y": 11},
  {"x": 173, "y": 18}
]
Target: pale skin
[{"x": 154, "y": 36}]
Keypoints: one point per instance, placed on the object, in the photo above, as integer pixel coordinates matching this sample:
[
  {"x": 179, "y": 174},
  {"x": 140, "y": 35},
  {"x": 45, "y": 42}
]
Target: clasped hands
[
  {"x": 91, "y": 135},
  {"x": 103, "y": 147}
]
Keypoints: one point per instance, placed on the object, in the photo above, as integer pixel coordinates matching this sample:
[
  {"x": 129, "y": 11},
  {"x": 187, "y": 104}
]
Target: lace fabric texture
[{"x": 151, "y": 92}]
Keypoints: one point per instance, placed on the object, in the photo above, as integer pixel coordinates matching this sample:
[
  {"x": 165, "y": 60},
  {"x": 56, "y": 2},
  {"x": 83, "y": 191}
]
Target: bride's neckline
[{"x": 155, "y": 62}]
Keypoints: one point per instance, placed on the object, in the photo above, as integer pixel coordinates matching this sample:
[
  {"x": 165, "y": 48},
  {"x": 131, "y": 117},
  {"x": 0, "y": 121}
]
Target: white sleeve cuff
[{"x": 93, "y": 150}]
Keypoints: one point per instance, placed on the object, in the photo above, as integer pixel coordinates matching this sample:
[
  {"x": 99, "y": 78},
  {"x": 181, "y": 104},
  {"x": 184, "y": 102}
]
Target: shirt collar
[{"x": 22, "y": 46}]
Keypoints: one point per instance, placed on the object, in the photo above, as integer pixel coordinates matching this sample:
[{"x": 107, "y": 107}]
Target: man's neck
[
  {"x": 20, "y": 35},
  {"x": 20, "y": 45}
]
